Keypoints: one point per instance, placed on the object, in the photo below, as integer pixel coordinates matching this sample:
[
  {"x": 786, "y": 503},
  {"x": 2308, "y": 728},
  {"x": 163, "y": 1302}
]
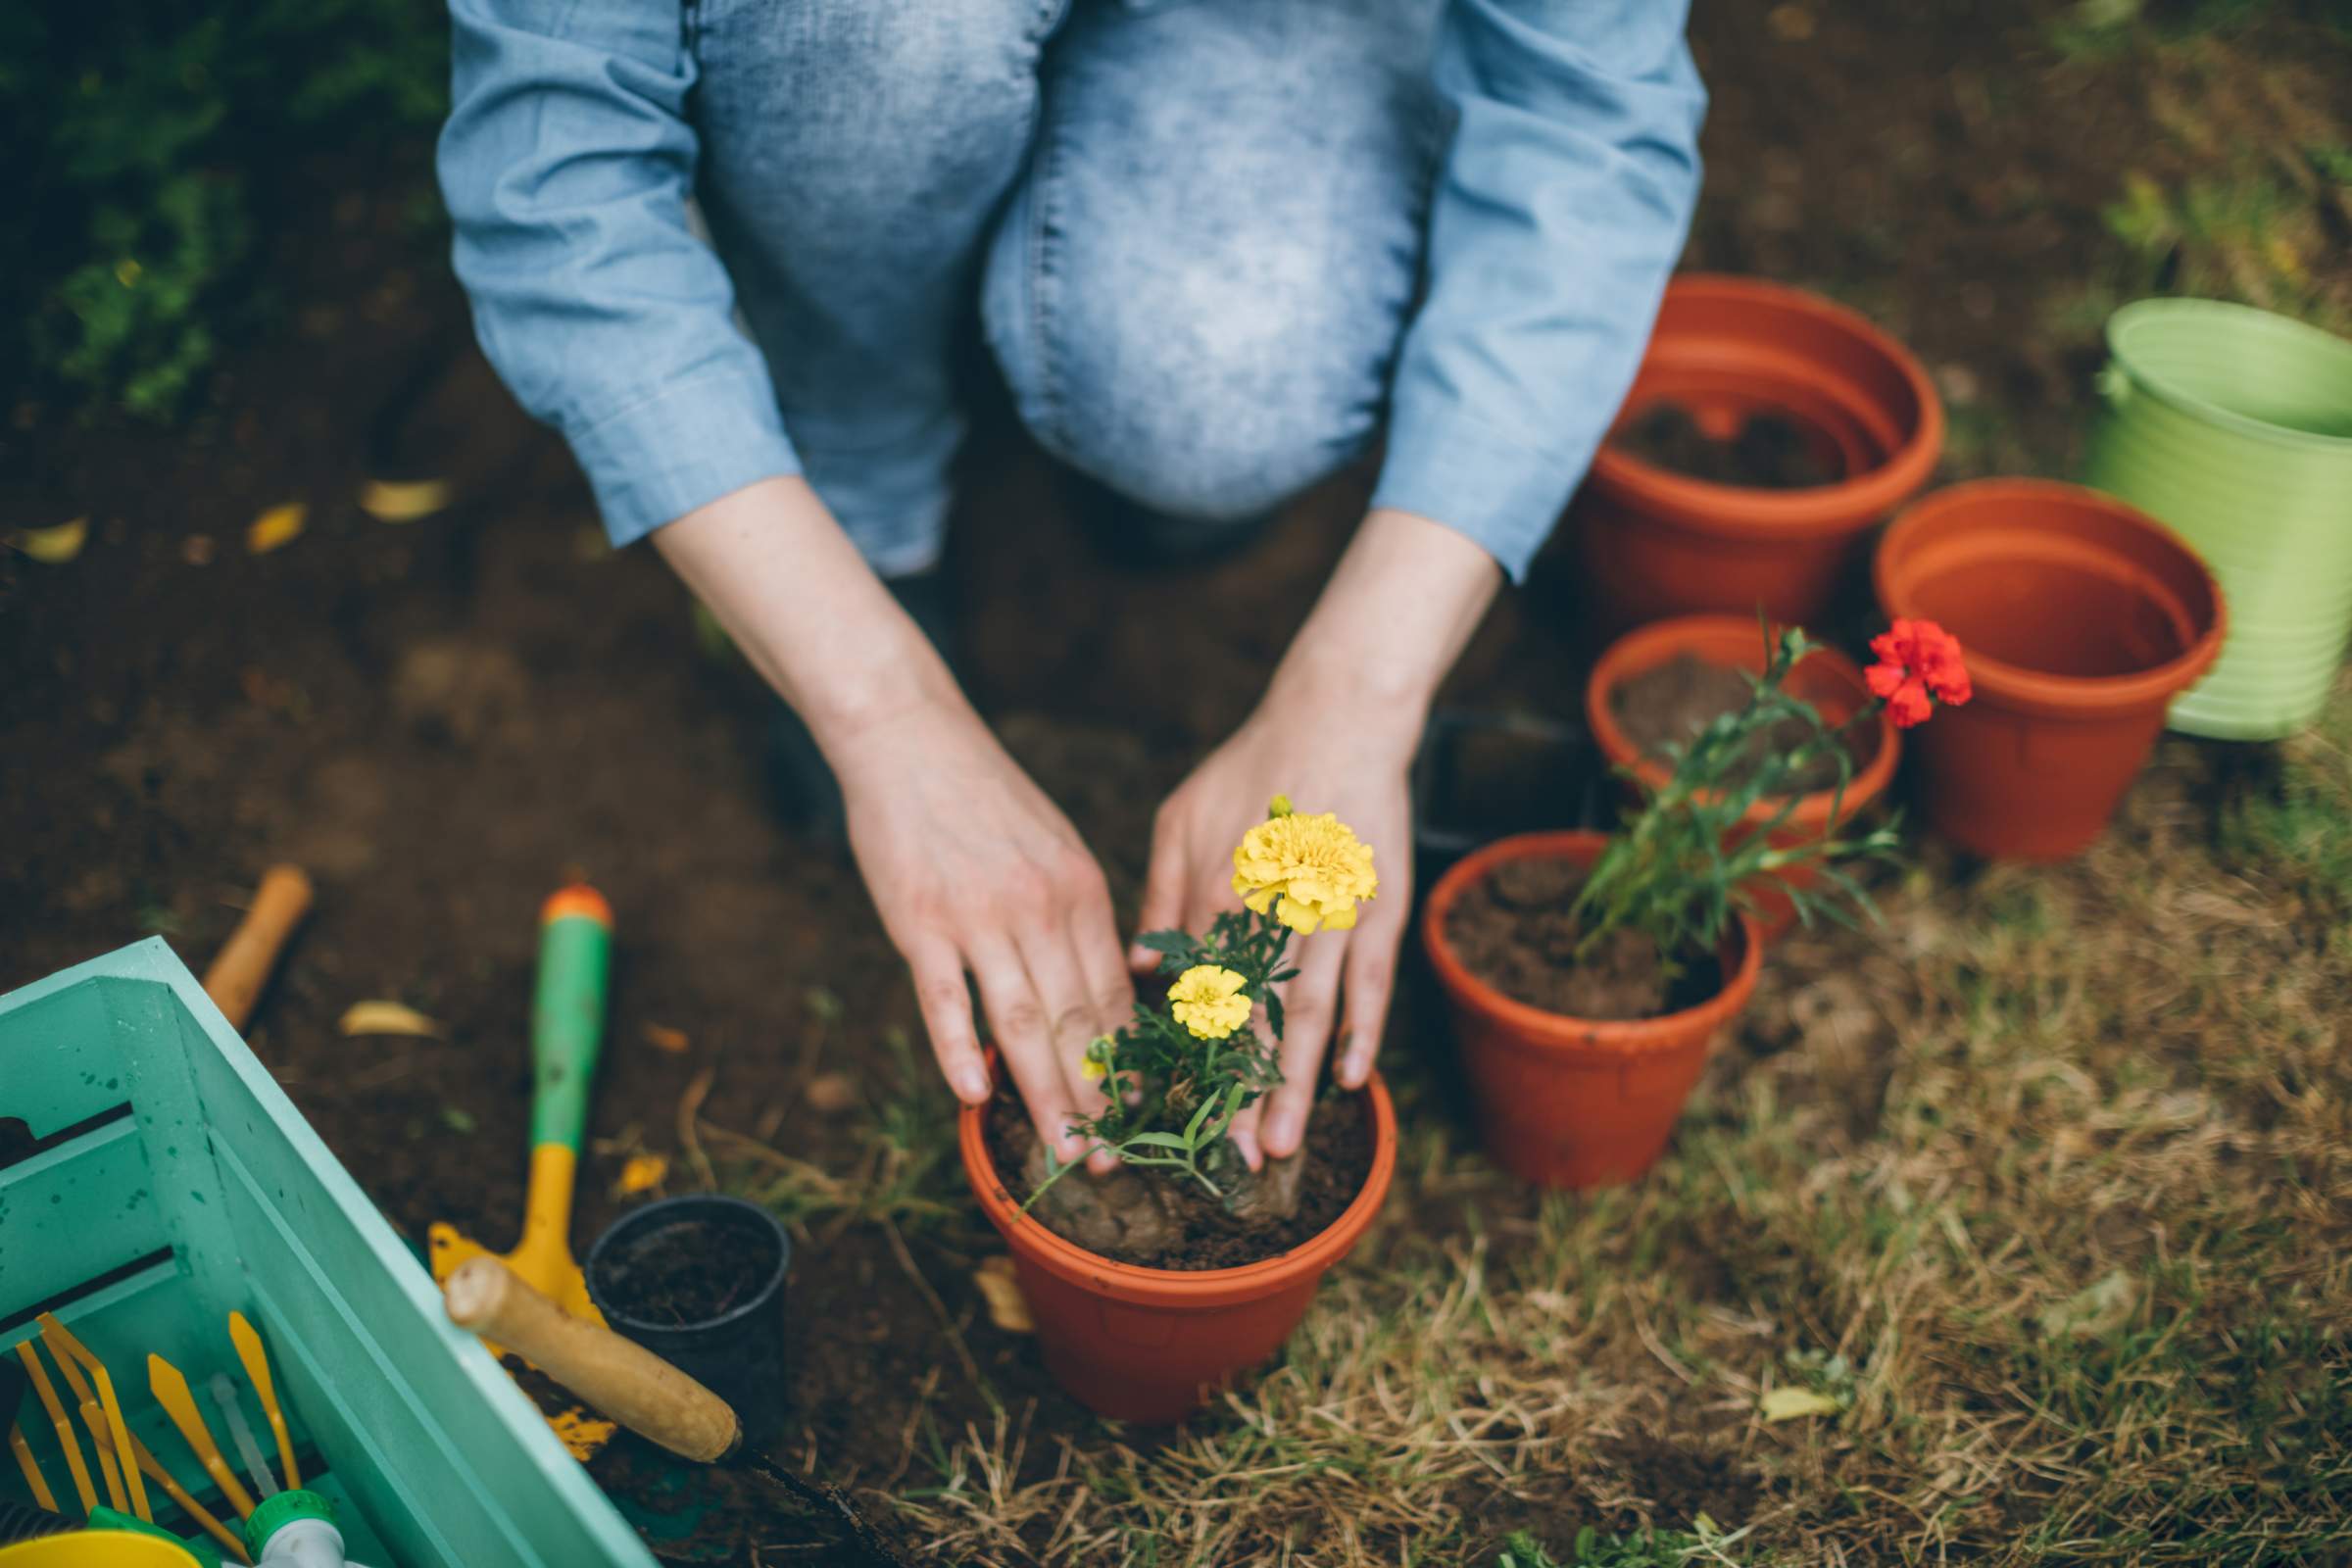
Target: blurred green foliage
[{"x": 148, "y": 143}]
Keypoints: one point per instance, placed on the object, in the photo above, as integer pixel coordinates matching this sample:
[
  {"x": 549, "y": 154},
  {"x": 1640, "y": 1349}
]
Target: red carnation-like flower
[{"x": 1919, "y": 665}]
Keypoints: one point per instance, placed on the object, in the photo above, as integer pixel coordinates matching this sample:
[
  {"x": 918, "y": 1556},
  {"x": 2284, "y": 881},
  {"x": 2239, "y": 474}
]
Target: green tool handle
[{"x": 568, "y": 1012}]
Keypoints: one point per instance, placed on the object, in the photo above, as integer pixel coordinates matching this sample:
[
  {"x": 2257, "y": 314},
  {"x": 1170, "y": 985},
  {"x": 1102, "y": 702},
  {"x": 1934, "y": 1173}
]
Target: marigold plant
[
  {"x": 1180, "y": 1072},
  {"x": 1685, "y": 858}
]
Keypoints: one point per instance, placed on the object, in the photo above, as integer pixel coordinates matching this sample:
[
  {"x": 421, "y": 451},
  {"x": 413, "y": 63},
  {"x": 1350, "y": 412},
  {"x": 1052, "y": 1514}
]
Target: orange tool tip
[{"x": 577, "y": 899}]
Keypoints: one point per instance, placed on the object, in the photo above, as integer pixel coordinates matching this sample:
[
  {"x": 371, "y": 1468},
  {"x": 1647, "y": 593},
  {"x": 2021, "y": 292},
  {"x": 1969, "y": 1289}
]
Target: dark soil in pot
[
  {"x": 688, "y": 1272},
  {"x": 1157, "y": 1219},
  {"x": 1769, "y": 452},
  {"x": 1517, "y": 931},
  {"x": 1669, "y": 703}
]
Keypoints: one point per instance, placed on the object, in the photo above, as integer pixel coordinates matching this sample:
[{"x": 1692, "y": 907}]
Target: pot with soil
[
  {"x": 1478, "y": 777},
  {"x": 1588, "y": 973},
  {"x": 2083, "y": 618},
  {"x": 1660, "y": 686},
  {"x": 1156, "y": 1284},
  {"x": 699, "y": 1281},
  {"x": 1767, "y": 430}
]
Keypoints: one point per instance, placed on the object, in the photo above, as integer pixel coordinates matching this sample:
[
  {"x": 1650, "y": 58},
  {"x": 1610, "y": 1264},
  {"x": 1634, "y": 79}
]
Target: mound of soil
[
  {"x": 1669, "y": 703},
  {"x": 1769, "y": 452},
  {"x": 1517, "y": 930},
  {"x": 690, "y": 1271},
  {"x": 1156, "y": 1219}
]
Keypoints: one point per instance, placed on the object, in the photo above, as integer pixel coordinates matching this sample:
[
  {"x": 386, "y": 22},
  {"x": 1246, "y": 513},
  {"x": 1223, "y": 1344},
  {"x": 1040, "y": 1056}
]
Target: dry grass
[{"x": 2047, "y": 1183}]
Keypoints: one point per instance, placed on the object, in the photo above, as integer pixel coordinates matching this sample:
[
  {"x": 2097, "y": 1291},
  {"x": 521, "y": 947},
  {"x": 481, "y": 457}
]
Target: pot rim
[
  {"x": 2040, "y": 691},
  {"x": 1844, "y": 505},
  {"x": 2251, "y": 319},
  {"x": 1139, "y": 1286},
  {"x": 636, "y": 1220},
  {"x": 1549, "y": 1033},
  {"x": 1646, "y": 647}
]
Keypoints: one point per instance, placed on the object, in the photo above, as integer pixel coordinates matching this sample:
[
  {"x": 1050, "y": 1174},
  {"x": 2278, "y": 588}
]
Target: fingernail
[
  {"x": 1283, "y": 1128},
  {"x": 1357, "y": 1063},
  {"x": 1140, "y": 956},
  {"x": 971, "y": 1085},
  {"x": 1102, "y": 1162},
  {"x": 1245, "y": 1140},
  {"x": 1069, "y": 1148}
]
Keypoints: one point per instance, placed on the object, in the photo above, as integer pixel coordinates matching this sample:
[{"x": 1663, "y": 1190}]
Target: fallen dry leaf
[
  {"x": 831, "y": 1093},
  {"x": 1796, "y": 1404},
  {"x": 642, "y": 1173},
  {"x": 386, "y": 1018},
  {"x": 53, "y": 546},
  {"x": 276, "y": 528},
  {"x": 2094, "y": 1311},
  {"x": 1007, "y": 1308},
  {"x": 663, "y": 1038},
  {"x": 402, "y": 500}
]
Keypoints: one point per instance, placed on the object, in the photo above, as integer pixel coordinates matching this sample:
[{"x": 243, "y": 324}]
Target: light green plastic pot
[{"x": 2234, "y": 427}]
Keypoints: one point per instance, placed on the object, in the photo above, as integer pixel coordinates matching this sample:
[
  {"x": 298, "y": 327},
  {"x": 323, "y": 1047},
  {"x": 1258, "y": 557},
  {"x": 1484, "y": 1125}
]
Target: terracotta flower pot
[
  {"x": 1657, "y": 543},
  {"x": 2081, "y": 619},
  {"x": 1152, "y": 1345},
  {"x": 1575, "y": 1102},
  {"x": 1826, "y": 678}
]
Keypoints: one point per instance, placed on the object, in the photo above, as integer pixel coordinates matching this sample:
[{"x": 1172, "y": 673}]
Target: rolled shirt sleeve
[
  {"x": 565, "y": 164},
  {"x": 1559, "y": 212}
]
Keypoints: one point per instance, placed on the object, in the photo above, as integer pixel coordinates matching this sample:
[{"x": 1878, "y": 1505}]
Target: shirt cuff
[
  {"x": 1503, "y": 494},
  {"x": 708, "y": 436}
]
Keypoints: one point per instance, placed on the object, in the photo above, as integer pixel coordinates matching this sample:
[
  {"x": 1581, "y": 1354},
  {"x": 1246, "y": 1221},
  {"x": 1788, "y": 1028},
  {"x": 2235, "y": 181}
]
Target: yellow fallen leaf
[
  {"x": 402, "y": 500},
  {"x": 386, "y": 1018},
  {"x": 1796, "y": 1404},
  {"x": 1008, "y": 1309},
  {"x": 275, "y": 528},
  {"x": 642, "y": 1173},
  {"x": 663, "y": 1038},
  {"x": 53, "y": 546}
]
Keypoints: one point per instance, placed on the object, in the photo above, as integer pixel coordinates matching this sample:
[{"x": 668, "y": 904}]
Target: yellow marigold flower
[
  {"x": 1310, "y": 870},
  {"x": 1207, "y": 999}
]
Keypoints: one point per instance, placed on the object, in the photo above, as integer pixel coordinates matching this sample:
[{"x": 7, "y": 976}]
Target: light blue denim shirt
[{"x": 1558, "y": 208}]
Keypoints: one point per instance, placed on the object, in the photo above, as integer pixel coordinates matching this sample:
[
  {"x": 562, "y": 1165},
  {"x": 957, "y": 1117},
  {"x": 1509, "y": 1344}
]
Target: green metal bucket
[{"x": 2233, "y": 427}]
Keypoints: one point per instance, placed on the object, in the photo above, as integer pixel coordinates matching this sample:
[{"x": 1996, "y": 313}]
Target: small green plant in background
[
  {"x": 1639, "y": 1549},
  {"x": 149, "y": 146}
]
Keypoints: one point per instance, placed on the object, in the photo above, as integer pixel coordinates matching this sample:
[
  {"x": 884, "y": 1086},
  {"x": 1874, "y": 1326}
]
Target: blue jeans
[{"x": 1192, "y": 229}]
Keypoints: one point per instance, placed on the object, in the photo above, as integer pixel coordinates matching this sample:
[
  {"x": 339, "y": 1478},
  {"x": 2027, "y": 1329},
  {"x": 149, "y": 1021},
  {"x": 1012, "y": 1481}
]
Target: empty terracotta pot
[
  {"x": 1655, "y": 543},
  {"x": 1826, "y": 678},
  {"x": 1152, "y": 1345},
  {"x": 2081, "y": 619},
  {"x": 1575, "y": 1102}
]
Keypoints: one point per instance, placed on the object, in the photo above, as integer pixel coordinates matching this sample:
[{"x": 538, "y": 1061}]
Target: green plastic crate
[{"x": 144, "y": 1231}]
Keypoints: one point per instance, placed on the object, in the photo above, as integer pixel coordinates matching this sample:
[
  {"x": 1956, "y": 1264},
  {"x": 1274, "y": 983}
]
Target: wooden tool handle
[
  {"x": 619, "y": 1378},
  {"x": 234, "y": 981}
]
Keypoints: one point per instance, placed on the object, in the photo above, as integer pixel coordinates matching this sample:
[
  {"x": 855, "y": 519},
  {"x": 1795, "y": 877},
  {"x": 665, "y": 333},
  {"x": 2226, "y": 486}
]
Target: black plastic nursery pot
[
  {"x": 699, "y": 1281},
  {"x": 1480, "y": 777}
]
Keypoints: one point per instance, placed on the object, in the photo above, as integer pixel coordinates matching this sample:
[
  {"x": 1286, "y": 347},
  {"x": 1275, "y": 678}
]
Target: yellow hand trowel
[{"x": 568, "y": 1026}]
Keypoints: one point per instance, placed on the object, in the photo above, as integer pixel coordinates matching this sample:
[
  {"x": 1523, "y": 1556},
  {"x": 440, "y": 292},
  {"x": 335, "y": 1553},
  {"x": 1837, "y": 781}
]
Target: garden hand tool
[
  {"x": 171, "y": 1391},
  {"x": 256, "y": 1361},
  {"x": 153, "y": 1469},
  {"x": 242, "y": 967},
  {"x": 632, "y": 1385},
  {"x": 111, "y": 1436},
  {"x": 567, "y": 1024}
]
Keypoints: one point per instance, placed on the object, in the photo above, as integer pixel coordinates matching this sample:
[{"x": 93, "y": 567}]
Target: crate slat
[{"x": 75, "y": 1213}]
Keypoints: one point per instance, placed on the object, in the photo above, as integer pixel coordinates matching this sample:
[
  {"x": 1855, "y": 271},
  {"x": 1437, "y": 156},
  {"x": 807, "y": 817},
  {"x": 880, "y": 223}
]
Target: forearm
[
  {"x": 1395, "y": 616},
  {"x": 785, "y": 582}
]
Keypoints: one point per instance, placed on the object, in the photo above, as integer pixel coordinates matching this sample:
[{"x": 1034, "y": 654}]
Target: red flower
[{"x": 1919, "y": 665}]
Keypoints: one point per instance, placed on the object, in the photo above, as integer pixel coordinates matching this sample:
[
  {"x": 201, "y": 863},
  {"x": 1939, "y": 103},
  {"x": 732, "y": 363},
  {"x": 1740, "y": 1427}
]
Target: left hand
[
  {"x": 1326, "y": 759},
  {"x": 1336, "y": 732}
]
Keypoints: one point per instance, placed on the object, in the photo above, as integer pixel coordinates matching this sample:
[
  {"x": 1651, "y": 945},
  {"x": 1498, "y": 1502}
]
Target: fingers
[
  {"x": 946, "y": 1005},
  {"x": 1163, "y": 890},
  {"x": 1310, "y": 1003},
  {"x": 1370, "y": 980},
  {"x": 1024, "y": 1034}
]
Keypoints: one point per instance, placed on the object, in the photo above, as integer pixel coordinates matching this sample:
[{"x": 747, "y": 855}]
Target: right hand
[{"x": 974, "y": 870}]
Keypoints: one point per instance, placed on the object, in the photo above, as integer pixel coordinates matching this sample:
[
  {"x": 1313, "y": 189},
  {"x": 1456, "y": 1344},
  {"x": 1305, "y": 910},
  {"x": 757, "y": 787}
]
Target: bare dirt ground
[{"x": 2043, "y": 1186}]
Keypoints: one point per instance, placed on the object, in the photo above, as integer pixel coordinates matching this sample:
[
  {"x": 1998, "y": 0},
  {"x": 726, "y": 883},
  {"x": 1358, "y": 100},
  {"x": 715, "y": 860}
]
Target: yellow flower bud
[{"x": 1279, "y": 806}]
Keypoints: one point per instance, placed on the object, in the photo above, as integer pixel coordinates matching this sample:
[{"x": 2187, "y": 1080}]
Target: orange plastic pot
[
  {"x": 2081, "y": 619},
  {"x": 1655, "y": 543},
  {"x": 1151, "y": 1345},
  {"x": 1575, "y": 1102},
  {"x": 1826, "y": 678}
]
